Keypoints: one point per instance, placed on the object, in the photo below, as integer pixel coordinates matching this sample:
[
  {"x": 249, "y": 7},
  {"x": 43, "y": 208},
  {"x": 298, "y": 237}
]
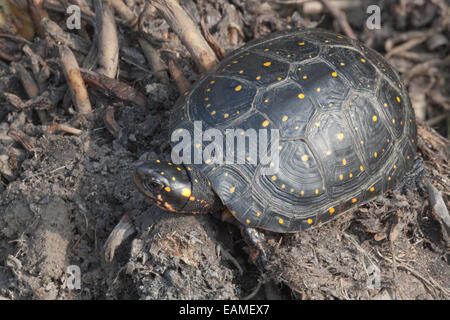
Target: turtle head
[{"x": 176, "y": 188}]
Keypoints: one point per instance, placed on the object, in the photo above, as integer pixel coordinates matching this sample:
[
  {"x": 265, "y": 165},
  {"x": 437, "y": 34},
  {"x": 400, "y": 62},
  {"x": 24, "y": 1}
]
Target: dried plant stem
[
  {"x": 76, "y": 84},
  {"x": 108, "y": 44},
  {"x": 188, "y": 32},
  {"x": 181, "y": 81}
]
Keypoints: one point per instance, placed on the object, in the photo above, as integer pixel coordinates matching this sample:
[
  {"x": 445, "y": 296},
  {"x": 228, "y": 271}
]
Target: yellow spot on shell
[
  {"x": 374, "y": 118},
  {"x": 247, "y": 221},
  {"x": 361, "y": 168},
  {"x": 212, "y": 82},
  {"x": 318, "y": 89},
  {"x": 167, "y": 189},
  {"x": 158, "y": 161},
  {"x": 274, "y": 178},
  {"x": 302, "y": 193},
  {"x": 241, "y": 71},
  {"x": 186, "y": 192},
  {"x": 162, "y": 173},
  {"x": 280, "y": 221},
  {"x": 226, "y": 115},
  {"x": 389, "y": 178},
  {"x": 340, "y": 136},
  {"x": 342, "y": 64},
  {"x": 301, "y": 96},
  {"x": 331, "y": 210},
  {"x": 267, "y": 100},
  {"x": 284, "y": 118},
  {"x": 341, "y": 177},
  {"x": 258, "y": 78},
  {"x": 279, "y": 78},
  {"x": 344, "y": 161},
  {"x": 232, "y": 189},
  {"x": 238, "y": 88},
  {"x": 334, "y": 74},
  {"x": 350, "y": 175},
  {"x": 305, "y": 158},
  {"x": 301, "y": 43},
  {"x": 317, "y": 124},
  {"x": 363, "y": 60},
  {"x": 354, "y": 200},
  {"x": 305, "y": 77},
  {"x": 372, "y": 189},
  {"x": 174, "y": 179},
  {"x": 375, "y": 154},
  {"x": 258, "y": 214},
  {"x": 395, "y": 166},
  {"x": 317, "y": 191},
  {"x": 213, "y": 112},
  {"x": 398, "y": 99},
  {"x": 309, "y": 221},
  {"x": 265, "y": 123},
  {"x": 267, "y": 64},
  {"x": 283, "y": 186}
]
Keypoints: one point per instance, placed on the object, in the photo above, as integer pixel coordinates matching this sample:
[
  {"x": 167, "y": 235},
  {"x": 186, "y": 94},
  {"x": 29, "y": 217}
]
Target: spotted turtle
[{"x": 346, "y": 128}]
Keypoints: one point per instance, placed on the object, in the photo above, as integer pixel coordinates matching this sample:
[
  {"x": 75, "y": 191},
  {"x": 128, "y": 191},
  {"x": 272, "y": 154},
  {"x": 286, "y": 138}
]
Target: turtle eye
[{"x": 153, "y": 186}]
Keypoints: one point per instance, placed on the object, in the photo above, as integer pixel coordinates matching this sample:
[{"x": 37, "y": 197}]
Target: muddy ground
[{"x": 61, "y": 197}]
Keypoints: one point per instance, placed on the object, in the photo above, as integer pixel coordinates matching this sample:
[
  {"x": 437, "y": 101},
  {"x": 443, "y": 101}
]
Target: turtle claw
[{"x": 256, "y": 241}]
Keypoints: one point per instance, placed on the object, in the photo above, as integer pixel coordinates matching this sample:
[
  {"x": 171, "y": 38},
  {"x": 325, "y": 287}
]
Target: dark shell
[{"x": 347, "y": 129}]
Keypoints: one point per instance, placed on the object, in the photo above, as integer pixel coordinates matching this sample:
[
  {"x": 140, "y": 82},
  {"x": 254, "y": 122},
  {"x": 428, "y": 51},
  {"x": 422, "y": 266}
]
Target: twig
[
  {"x": 157, "y": 65},
  {"x": 340, "y": 17},
  {"x": 127, "y": 15},
  {"x": 55, "y": 5},
  {"x": 65, "y": 128},
  {"x": 71, "y": 40},
  {"x": 110, "y": 122},
  {"x": 407, "y": 45},
  {"x": 77, "y": 87},
  {"x": 20, "y": 137},
  {"x": 15, "y": 38},
  {"x": 428, "y": 282},
  {"x": 114, "y": 88},
  {"x": 188, "y": 32},
  {"x": 108, "y": 44},
  {"x": 220, "y": 52},
  {"x": 439, "y": 210},
  {"x": 37, "y": 12},
  {"x": 120, "y": 232},
  {"x": 28, "y": 83},
  {"x": 181, "y": 81}
]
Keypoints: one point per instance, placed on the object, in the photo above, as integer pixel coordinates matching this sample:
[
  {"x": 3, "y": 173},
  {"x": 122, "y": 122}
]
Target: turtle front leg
[
  {"x": 252, "y": 237},
  {"x": 256, "y": 242}
]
